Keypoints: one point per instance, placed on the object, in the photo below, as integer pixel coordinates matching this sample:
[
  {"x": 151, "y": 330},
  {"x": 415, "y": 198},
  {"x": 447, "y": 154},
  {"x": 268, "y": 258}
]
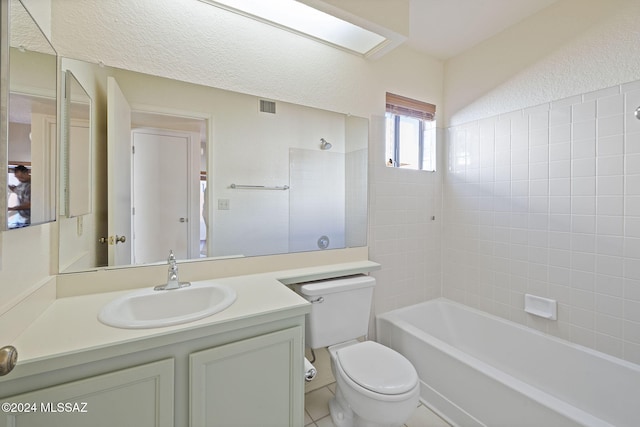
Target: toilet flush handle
[{"x": 317, "y": 300}]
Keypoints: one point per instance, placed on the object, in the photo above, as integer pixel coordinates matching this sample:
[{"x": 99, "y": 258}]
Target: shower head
[{"x": 324, "y": 145}]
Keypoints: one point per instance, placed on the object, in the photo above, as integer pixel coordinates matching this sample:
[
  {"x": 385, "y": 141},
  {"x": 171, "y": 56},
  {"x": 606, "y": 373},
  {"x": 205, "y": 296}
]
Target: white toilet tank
[{"x": 340, "y": 309}]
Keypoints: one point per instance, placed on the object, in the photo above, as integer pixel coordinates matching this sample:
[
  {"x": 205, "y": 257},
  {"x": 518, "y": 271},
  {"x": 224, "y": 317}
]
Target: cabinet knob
[{"x": 8, "y": 359}]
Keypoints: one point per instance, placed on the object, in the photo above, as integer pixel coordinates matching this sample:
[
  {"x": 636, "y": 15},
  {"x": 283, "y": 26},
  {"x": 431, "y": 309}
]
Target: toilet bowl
[{"x": 375, "y": 386}]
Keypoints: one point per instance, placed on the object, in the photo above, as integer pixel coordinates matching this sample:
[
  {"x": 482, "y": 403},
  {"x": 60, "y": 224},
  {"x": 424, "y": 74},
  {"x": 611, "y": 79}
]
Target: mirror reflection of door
[
  {"x": 155, "y": 195},
  {"x": 165, "y": 168},
  {"x": 76, "y": 150},
  {"x": 119, "y": 183}
]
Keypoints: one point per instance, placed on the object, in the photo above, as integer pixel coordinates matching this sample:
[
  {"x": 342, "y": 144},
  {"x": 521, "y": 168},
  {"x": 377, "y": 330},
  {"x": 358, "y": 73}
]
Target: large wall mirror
[
  {"x": 29, "y": 139},
  {"x": 211, "y": 173}
]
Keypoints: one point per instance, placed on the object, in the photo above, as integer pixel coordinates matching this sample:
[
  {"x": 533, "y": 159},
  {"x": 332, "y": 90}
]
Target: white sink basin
[{"x": 148, "y": 308}]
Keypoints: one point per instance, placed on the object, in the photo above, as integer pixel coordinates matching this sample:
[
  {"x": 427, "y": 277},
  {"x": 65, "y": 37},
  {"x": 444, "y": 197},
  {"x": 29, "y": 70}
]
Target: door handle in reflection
[
  {"x": 183, "y": 220},
  {"x": 112, "y": 240}
]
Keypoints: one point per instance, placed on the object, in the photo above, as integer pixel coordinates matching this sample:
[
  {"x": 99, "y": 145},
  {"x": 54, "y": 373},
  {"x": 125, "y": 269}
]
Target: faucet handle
[{"x": 172, "y": 257}]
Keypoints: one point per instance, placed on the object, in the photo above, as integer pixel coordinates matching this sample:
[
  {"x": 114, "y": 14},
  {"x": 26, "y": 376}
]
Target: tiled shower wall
[
  {"x": 546, "y": 201},
  {"x": 404, "y": 229}
]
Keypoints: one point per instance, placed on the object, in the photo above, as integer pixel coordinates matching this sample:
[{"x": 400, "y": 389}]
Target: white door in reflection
[
  {"x": 119, "y": 183},
  {"x": 163, "y": 209}
]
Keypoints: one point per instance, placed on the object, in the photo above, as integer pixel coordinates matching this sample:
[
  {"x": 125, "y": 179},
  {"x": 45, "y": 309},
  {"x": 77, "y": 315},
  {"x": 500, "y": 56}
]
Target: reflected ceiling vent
[{"x": 267, "y": 106}]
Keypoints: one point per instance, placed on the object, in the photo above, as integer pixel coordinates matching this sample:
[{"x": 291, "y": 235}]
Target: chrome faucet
[{"x": 172, "y": 276}]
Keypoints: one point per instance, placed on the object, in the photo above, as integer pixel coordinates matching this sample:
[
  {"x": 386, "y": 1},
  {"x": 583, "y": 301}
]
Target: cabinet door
[
  {"x": 141, "y": 396},
  {"x": 257, "y": 382}
]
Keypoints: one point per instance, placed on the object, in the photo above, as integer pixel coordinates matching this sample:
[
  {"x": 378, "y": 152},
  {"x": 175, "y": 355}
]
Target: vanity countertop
[{"x": 68, "y": 331}]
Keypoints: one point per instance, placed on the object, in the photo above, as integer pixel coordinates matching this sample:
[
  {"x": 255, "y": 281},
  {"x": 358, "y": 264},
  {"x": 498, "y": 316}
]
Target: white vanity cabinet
[
  {"x": 253, "y": 382},
  {"x": 241, "y": 367},
  {"x": 251, "y": 376},
  {"x": 140, "y": 396}
]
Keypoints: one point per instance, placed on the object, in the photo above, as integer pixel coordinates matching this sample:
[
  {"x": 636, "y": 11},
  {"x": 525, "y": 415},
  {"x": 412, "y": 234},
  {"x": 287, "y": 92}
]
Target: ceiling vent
[{"x": 267, "y": 106}]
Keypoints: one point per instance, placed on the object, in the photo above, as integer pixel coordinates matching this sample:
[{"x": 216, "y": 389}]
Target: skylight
[{"x": 305, "y": 20}]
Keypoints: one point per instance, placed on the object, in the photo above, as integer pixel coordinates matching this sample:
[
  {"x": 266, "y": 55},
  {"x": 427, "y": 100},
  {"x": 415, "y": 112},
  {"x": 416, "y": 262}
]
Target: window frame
[{"x": 397, "y": 107}]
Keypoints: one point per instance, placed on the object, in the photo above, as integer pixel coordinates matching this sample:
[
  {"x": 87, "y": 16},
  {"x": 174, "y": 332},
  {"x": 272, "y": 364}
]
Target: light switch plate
[{"x": 223, "y": 204}]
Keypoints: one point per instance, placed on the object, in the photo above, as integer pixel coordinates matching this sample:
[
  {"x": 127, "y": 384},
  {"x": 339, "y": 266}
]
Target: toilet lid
[{"x": 377, "y": 368}]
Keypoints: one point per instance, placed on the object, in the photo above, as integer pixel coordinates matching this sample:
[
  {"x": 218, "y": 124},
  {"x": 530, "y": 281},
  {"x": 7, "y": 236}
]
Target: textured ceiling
[{"x": 445, "y": 28}]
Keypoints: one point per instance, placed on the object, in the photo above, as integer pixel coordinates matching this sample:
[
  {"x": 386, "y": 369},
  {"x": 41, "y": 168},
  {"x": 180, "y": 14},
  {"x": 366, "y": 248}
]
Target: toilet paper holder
[{"x": 309, "y": 370}]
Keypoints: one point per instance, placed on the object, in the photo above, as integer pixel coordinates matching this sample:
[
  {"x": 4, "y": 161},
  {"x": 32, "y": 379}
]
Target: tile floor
[{"x": 317, "y": 411}]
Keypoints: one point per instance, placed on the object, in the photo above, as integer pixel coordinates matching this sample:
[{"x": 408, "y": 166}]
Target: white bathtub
[{"x": 480, "y": 370}]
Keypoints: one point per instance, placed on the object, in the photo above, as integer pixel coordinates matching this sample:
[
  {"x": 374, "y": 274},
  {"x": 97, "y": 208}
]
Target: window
[{"x": 410, "y": 133}]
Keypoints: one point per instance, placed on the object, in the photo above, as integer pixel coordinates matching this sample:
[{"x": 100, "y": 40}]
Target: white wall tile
[
  {"x": 631, "y": 331},
  {"x": 560, "y": 205},
  {"x": 632, "y": 185},
  {"x": 585, "y": 111},
  {"x": 583, "y": 242},
  {"x": 559, "y": 134},
  {"x": 632, "y": 310},
  {"x": 632, "y": 206},
  {"x": 610, "y": 245},
  {"x": 554, "y": 208},
  {"x": 584, "y": 167},
  {"x": 583, "y": 186},
  {"x": 602, "y": 93},
  {"x": 632, "y": 164},
  {"x": 611, "y": 165},
  {"x": 632, "y": 102},
  {"x": 632, "y": 289},
  {"x": 560, "y": 187},
  {"x": 539, "y": 137},
  {"x": 583, "y": 205},
  {"x": 611, "y": 145},
  {"x": 610, "y": 225},
  {"x": 608, "y": 126},
  {"x": 560, "y": 151},
  {"x": 610, "y": 185},
  {"x": 610, "y": 205},
  {"x": 539, "y": 120},
  {"x": 609, "y": 265},
  {"x": 584, "y": 130},
  {"x": 559, "y": 169},
  {"x": 632, "y": 268},
  {"x": 632, "y": 141},
  {"x": 609, "y": 285},
  {"x": 611, "y": 106},
  {"x": 583, "y": 261},
  {"x": 537, "y": 171},
  {"x": 584, "y": 148},
  {"x": 561, "y": 114},
  {"x": 632, "y": 226},
  {"x": 609, "y": 325}
]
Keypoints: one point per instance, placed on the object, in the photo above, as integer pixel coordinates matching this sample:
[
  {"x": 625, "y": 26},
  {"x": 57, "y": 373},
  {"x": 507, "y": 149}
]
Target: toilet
[{"x": 375, "y": 385}]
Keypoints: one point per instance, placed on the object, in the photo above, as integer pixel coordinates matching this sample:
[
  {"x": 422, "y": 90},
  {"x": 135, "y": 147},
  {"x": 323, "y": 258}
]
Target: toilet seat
[{"x": 377, "y": 368}]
